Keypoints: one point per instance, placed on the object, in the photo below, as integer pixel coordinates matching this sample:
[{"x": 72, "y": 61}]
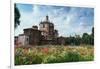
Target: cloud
[{"x": 67, "y": 20}]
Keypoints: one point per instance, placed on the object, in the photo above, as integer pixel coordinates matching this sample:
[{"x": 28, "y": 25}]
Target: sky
[{"x": 67, "y": 20}]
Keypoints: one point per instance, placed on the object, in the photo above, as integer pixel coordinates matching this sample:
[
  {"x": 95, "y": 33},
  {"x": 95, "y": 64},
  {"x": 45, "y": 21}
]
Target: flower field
[{"x": 53, "y": 54}]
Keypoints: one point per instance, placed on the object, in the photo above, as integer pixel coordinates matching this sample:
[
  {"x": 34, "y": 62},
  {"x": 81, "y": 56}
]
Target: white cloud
[{"x": 66, "y": 22}]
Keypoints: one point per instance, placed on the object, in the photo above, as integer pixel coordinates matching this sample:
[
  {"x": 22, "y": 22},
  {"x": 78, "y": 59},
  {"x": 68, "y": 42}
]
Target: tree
[
  {"x": 93, "y": 31},
  {"x": 92, "y": 36},
  {"x": 16, "y": 16},
  {"x": 85, "y": 38},
  {"x": 77, "y": 39},
  {"x": 91, "y": 40}
]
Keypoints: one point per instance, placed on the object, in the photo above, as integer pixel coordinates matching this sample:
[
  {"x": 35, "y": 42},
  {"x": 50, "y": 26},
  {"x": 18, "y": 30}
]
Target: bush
[
  {"x": 54, "y": 54},
  {"x": 72, "y": 57}
]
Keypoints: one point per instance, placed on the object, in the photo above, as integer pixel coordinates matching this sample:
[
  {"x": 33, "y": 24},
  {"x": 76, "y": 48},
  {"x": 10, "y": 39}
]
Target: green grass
[{"x": 53, "y": 54}]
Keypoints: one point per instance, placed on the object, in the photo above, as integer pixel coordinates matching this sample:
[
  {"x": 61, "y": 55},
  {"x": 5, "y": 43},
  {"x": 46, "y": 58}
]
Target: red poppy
[{"x": 45, "y": 50}]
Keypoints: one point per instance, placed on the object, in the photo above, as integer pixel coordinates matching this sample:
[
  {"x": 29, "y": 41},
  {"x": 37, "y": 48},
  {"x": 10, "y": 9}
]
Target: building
[
  {"x": 23, "y": 40},
  {"x": 61, "y": 40},
  {"x": 46, "y": 34},
  {"x": 47, "y": 31},
  {"x": 34, "y": 35},
  {"x": 16, "y": 40}
]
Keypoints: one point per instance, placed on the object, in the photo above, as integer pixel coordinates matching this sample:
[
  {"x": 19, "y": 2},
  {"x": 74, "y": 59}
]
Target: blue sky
[{"x": 67, "y": 20}]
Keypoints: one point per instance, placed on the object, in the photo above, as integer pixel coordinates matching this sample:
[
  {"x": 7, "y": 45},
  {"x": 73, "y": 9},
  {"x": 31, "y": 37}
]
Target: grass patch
[{"x": 53, "y": 54}]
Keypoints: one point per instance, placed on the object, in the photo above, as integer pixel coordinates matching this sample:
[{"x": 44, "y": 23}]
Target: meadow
[{"x": 25, "y": 55}]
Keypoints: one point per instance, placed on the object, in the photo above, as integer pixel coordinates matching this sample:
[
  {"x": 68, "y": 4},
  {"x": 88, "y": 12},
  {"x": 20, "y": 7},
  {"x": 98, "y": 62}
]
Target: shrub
[
  {"x": 72, "y": 57},
  {"x": 53, "y": 54}
]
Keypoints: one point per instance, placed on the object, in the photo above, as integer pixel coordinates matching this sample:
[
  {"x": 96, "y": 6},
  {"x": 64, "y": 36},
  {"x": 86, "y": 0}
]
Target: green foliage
[
  {"x": 77, "y": 40},
  {"x": 53, "y": 54},
  {"x": 87, "y": 39},
  {"x": 72, "y": 57},
  {"x": 64, "y": 57},
  {"x": 16, "y": 16}
]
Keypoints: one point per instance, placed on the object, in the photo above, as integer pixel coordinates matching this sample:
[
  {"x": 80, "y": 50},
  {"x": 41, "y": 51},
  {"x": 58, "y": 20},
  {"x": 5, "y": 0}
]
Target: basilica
[{"x": 44, "y": 34}]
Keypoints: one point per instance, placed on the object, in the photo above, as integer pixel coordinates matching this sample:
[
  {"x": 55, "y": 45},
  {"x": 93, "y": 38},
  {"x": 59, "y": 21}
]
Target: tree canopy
[
  {"x": 16, "y": 16},
  {"x": 86, "y": 38}
]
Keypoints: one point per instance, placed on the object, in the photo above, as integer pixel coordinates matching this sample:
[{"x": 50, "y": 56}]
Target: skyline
[{"x": 72, "y": 20}]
